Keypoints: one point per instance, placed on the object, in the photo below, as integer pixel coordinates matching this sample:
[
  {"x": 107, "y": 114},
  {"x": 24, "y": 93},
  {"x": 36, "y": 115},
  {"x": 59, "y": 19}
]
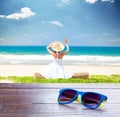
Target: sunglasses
[{"x": 91, "y": 100}]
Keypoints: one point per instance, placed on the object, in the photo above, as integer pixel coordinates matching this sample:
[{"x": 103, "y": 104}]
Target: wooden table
[{"x": 40, "y": 100}]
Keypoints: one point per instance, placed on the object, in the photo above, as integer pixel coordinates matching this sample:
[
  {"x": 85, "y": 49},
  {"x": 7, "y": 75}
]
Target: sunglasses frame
[{"x": 102, "y": 100}]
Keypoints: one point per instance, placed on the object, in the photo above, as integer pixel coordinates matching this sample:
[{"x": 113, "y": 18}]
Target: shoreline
[
  {"x": 29, "y": 70},
  {"x": 81, "y": 60}
]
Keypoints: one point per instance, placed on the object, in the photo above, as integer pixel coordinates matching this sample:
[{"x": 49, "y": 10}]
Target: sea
[{"x": 78, "y": 55}]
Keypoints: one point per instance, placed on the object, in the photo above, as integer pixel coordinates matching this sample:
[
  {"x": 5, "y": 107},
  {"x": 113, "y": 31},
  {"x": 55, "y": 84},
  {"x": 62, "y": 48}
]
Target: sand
[{"x": 29, "y": 70}]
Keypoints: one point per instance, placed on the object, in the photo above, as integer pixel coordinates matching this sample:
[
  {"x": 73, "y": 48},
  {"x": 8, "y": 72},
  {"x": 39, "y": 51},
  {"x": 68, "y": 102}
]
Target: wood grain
[{"x": 40, "y": 100}]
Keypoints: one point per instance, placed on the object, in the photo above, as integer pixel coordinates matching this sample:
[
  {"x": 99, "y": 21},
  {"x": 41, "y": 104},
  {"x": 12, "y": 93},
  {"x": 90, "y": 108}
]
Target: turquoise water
[
  {"x": 74, "y": 50},
  {"x": 77, "y": 55}
]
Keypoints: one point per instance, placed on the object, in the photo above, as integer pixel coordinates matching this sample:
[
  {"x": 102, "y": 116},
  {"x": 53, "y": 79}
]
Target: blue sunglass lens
[
  {"x": 91, "y": 100},
  {"x": 67, "y": 96}
]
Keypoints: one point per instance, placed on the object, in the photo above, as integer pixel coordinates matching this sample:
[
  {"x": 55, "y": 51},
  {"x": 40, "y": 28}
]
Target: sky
[{"x": 40, "y": 22}]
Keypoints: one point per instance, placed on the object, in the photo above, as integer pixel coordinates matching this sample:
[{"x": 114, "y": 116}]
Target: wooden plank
[
  {"x": 61, "y": 85},
  {"x": 55, "y": 109},
  {"x": 45, "y": 95}
]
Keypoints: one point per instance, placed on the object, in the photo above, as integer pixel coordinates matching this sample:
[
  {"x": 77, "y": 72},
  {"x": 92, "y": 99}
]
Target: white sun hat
[{"x": 57, "y": 46}]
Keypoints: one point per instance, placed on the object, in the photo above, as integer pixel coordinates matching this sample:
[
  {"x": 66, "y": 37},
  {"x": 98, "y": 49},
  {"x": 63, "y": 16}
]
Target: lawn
[{"x": 115, "y": 78}]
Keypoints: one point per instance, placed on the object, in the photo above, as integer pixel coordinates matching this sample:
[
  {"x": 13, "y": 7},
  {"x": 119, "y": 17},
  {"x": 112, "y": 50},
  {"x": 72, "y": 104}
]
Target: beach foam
[{"x": 68, "y": 60}]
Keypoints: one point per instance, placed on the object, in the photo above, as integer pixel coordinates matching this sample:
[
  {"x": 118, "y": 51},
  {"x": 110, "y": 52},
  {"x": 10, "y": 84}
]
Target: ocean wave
[{"x": 67, "y": 60}]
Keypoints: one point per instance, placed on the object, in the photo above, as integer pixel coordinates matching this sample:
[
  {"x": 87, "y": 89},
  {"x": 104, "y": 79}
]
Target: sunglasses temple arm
[{"x": 102, "y": 104}]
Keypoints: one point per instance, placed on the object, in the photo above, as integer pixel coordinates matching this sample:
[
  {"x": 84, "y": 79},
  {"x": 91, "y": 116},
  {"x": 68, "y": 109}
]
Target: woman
[{"x": 55, "y": 69}]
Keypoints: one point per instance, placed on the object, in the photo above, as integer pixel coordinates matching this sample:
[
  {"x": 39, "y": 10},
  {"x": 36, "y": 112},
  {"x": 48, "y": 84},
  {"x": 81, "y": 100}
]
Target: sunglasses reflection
[
  {"x": 71, "y": 106},
  {"x": 75, "y": 107}
]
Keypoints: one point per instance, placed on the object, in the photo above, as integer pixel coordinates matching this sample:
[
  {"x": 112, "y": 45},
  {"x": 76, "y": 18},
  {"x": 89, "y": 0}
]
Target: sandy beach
[{"x": 29, "y": 70}]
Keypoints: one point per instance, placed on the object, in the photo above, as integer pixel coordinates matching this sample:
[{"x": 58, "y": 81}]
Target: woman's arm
[
  {"x": 67, "y": 47},
  {"x": 49, "y": 50}
]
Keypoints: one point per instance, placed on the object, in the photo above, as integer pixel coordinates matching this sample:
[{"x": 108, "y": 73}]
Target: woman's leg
[
  {"x": 81, "y": 75},
  {"x": 38, "y": 75}
]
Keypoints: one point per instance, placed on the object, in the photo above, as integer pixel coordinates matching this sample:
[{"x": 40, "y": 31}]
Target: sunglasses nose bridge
[{"x": 78, "y": 99}]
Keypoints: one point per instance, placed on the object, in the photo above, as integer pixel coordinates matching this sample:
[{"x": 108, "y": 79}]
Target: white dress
[{"x": 55, "y": 70}]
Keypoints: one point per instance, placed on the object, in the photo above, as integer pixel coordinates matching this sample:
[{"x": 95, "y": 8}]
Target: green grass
[{"x": 115, "y": 78}]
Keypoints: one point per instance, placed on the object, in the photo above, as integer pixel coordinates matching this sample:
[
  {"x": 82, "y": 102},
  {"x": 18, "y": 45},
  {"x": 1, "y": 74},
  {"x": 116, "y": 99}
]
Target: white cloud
[
  {"x": 24, "y": 13},
  {"x": 57, "y": 23},
  {"x": 2, "y": 39},
  {"x": 64, "y": 2},
  {"x": 114, "y": 40},
  {"x": 94, "y": 1},
  {"x": 108, "y": 1},
  {"x": 107, "y": 34},
  {"x": 82, "y": 36},
  {"x": 91, "y": 1}
]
